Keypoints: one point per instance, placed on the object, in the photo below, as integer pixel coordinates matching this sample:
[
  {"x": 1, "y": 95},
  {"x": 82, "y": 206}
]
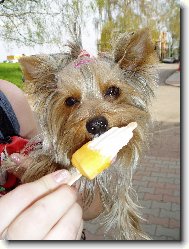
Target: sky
[{"x": 88, "y": 41}]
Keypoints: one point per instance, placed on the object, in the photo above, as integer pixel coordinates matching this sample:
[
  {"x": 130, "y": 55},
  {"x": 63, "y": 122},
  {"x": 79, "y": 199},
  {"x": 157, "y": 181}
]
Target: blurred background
[{"x": 43, "y": 26}]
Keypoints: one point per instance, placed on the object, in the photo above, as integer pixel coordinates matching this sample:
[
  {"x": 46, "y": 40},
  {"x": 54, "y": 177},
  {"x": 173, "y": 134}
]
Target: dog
[{"x": 78, "y": 97}]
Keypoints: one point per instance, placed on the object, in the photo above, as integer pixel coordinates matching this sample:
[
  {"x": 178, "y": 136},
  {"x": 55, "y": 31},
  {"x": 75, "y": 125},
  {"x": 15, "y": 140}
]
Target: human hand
[{"x": 42, "y": 210}]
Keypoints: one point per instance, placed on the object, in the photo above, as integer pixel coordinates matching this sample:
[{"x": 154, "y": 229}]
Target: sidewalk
[
  {"x": 157, "y": 182},
  {"x": 174, "y": 79}
]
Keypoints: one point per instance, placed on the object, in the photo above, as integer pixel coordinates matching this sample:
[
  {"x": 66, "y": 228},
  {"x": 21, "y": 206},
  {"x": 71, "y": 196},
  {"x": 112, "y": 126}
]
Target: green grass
[{"x": 12, "y": 73}]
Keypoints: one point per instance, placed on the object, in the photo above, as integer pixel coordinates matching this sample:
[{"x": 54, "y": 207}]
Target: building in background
[{"x": 14, "y": 58}]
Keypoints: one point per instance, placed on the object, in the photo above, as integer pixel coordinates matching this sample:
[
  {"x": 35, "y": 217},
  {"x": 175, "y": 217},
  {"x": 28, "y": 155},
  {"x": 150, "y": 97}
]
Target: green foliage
[
  {"x": 106, "y": 36},
  {"x": 12, "y": 73},
  {"x": 120, "y": 16},
  {"x": 100, "y": 4},
  {"x": 174, "y": 20}
]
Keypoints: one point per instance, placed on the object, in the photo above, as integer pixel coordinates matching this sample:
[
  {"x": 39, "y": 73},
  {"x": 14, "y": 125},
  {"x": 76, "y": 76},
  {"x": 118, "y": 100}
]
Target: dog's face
[
  {"x": 91, "y": 99},
  {"x": 87, "y": 96}
]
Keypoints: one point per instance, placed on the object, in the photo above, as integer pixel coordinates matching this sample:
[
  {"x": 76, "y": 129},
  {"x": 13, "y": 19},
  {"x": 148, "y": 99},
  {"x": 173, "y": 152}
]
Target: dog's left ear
[{"x": 133, "y": 51}]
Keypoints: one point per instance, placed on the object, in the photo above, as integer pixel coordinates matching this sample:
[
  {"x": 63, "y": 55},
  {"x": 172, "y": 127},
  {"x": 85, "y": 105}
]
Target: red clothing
[{"x": 16, "y": 145}]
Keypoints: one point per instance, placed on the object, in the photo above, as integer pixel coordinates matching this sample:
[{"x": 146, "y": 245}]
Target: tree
[
  {"x": 23, "y": 21},
  {"x": 173, "y": 22},
  {"x": 32, "y": 22},
  {"x": 119, "y": 16}
]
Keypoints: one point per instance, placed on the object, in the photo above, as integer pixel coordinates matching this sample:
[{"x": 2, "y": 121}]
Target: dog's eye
[
  {"x": 70, "y": 101},
  {"x": 112, "y": 91}
]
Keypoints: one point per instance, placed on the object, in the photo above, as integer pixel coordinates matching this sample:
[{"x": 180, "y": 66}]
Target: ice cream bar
[{"x": 96, "y": 156}]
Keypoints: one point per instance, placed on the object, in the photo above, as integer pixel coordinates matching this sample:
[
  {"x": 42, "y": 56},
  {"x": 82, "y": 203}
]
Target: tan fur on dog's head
[{"x": 75, "y": 94}]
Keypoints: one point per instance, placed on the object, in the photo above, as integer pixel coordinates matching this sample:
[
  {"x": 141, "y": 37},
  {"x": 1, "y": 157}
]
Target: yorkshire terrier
[{"x": 78, "y": 97}]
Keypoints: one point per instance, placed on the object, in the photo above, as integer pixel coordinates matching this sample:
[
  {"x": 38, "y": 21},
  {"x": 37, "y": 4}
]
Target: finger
[
  {"x": 21, "y": 197},
  {"x": 36, "y": 221},
  {"x": 68, "y": 226}
]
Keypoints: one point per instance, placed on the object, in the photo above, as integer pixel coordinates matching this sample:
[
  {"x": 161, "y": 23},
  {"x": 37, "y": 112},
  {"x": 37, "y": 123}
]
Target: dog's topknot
[{"x": 75, "y": 49}]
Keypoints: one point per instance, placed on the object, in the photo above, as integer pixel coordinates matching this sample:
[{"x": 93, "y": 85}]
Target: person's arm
[{"x": 21, "y": 107}]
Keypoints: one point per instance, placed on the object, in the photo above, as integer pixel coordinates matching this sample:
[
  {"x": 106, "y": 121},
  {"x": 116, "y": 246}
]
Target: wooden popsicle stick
[{"x": 74, "y": 178}]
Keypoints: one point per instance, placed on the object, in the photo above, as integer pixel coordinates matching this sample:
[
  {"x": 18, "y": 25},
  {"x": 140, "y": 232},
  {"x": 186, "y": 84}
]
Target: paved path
[
  {"x": 166, "y": 105},
  {"x": 174, "y": 79},
  {"x": 166, "y": 70},
  {"x": 157, "y": 182}
]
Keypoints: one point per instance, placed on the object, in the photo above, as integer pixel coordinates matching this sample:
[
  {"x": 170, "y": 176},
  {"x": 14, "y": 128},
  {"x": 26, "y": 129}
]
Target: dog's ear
[
  {"x": 37, "y": 68},
  {"x": 39, "y": 73},
  {"x": 133, "y": 50}
]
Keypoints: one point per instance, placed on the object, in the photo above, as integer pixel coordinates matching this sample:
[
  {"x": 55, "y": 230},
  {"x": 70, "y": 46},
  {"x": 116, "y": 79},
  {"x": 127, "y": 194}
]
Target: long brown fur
[{"x": 51, "y": 79}]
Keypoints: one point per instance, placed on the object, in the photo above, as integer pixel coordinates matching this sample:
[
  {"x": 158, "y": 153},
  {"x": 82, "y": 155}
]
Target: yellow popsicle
[
  {"x": 90, "y": 162},
  {"x": 95, "y": 156}
]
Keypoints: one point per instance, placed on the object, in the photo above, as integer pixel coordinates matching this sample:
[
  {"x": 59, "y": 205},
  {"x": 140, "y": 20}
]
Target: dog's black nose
[{"x": 97, "y": 125}]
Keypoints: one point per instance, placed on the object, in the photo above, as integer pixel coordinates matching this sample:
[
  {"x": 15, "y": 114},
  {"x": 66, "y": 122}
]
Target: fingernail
[
  {"x": 61, "y": 176},
  {"x": 15, "y": 158}
]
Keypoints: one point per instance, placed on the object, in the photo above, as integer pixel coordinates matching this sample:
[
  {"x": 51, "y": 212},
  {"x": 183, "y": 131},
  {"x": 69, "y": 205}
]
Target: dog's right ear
[{"x": 38, "y": 70}]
